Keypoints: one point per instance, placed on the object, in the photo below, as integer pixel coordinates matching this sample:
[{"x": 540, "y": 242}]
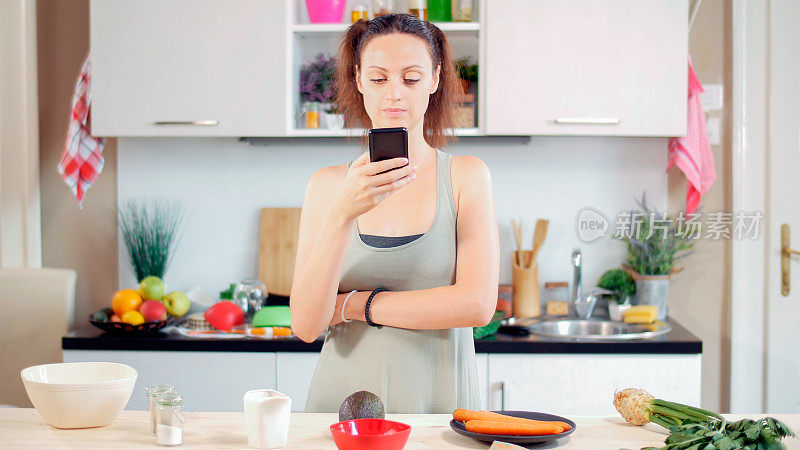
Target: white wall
[{"x": 224, "y": 182}]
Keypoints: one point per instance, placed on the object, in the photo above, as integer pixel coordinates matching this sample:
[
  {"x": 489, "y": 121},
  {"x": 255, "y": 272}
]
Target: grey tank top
[{"x": 413, "y": 371}]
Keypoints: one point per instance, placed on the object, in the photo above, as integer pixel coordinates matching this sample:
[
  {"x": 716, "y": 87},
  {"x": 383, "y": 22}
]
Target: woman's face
[{"x": 396, "y": 80}]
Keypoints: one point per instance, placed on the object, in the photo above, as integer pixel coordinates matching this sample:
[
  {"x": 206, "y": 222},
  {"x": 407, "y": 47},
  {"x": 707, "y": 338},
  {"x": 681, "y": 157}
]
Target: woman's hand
[{"x": 363, "y": 189}]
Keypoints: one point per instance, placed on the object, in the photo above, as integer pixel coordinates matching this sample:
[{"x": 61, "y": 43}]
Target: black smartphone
[{"x": 388, "y": 143}]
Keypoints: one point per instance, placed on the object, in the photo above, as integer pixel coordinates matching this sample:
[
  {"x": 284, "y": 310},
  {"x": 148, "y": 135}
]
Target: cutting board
[{"x": 278, "y": 232}]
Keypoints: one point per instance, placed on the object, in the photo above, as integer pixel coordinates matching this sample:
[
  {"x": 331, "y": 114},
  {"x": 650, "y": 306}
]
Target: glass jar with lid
[
  {"x": 152, "y": 392},
  {"x": 382, "y": 7},
  {"x": 169, "y": 418}
]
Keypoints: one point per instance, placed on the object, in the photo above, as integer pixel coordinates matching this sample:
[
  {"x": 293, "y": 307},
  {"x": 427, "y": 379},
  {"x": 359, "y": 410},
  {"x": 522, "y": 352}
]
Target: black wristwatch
[{"x": 366, "y": 308}]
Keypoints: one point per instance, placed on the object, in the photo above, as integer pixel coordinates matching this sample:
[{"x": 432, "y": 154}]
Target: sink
[{"x": 597, "y": 329}]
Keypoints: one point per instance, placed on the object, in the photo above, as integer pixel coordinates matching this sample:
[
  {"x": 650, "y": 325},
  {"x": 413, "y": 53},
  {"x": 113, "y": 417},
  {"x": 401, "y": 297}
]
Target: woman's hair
[{"x": 439, "y": 115}]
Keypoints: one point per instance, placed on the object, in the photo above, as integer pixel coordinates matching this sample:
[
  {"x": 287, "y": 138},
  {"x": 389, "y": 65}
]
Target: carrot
[
  {"x": 463, "y": 415},
  {"x": 525, "y": 429}
]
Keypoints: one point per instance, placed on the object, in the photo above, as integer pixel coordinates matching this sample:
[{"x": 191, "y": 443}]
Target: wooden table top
[{"x": 24, "y": 427}]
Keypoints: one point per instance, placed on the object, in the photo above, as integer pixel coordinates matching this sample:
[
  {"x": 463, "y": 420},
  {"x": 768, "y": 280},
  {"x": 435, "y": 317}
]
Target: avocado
[{"x": 361, "y": 405}]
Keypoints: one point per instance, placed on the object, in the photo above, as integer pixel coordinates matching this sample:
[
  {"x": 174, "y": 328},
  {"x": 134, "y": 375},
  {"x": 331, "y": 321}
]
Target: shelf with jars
[{"x": 313, "y": 115}]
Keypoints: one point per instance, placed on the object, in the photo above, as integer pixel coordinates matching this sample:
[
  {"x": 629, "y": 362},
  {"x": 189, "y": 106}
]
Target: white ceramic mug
[{"x": 267, "y": 413}]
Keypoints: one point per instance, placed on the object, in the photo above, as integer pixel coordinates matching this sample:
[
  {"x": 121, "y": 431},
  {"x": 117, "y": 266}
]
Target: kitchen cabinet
[
  {"x": 585, "y": 383},
  {"x": 585, "y": 67},
  {"x": 188, "y": 67},
  {"x": 209, "y": 381}
]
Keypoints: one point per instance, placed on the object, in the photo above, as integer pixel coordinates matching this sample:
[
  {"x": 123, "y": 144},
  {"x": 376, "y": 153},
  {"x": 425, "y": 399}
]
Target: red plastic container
[
  {"x": 325, "y": 11},
  {"x": 224, "y": 315},
  {"x": 372, "y": 434}
]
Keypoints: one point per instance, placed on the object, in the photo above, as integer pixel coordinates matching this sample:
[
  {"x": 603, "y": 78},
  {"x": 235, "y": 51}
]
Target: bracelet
[
  {"x": 366, "y": 308},
  {"x": 345, "y": 303}
]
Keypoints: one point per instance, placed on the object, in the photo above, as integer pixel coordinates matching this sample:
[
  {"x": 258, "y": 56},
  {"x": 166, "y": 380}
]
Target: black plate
[
  {"x": 458, "y": 427},
  {"x": 125, "y": 328}
]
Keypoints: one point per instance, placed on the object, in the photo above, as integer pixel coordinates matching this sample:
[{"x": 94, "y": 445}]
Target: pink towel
[
  {"x": 692, "y": 153},
  {"x": 82, "y": 157}
]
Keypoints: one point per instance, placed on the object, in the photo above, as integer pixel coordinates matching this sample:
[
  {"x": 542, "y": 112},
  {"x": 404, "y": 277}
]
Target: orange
[
  {"x": 126, "y": 300},
  {"x": 133, "y": 317}
]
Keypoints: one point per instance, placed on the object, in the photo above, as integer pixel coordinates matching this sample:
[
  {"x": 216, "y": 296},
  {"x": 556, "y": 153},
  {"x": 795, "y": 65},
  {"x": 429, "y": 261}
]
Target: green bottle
[{"x": 439, "y": 11}]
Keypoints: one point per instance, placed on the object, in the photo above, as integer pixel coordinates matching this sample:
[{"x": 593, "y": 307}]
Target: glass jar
[
  {"x": 169, "y": 418},
  {"x": 462, "y": 10},
  {"x": 382, "y": 7},
  {"x": 556, "y": 298},
  {"x": 152, "y": 392},
  {"x": 250, "y": 295},
  {"x": 359, "y": 11},
  {"x": 311, "y": 114},
  {"x": 418, "y": 9}
]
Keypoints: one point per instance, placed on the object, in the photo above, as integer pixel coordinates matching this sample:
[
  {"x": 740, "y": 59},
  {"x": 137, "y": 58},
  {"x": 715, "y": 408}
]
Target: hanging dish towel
[
  {"x": 692, "y": 153},
  {"x": 82, "y": 158}
]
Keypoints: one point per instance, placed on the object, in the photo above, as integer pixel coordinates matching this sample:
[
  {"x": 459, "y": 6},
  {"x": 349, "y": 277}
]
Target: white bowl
[{"x": 79, "y": 395}]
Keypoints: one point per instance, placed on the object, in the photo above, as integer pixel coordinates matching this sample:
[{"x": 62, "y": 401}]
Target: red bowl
[{"x": 373, "y": 434}]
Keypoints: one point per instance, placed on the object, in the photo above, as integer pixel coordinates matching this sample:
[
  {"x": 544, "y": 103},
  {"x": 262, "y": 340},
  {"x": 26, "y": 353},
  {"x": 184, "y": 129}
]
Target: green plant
[
  {"x": 465, "y": 70},
  {"x": 150, "y": 230},
  {"x": 654, "y": 243},
  {"x": 620, "y": 281}
]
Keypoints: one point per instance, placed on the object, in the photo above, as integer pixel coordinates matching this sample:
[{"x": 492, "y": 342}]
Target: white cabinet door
[
  {"x": 555, "y": 66},
  {"x": 187, "y": 61},
  {"x": 295, "y": 370},
  {"x": 585, "y": 384},
  {"x": 209, "y": 381}
]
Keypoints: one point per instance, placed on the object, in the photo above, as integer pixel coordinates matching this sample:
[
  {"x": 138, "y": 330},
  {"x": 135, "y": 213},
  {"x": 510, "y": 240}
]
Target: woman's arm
[
  {"x": 472, "y": 300},
  {"x": 321, "y": 247}
]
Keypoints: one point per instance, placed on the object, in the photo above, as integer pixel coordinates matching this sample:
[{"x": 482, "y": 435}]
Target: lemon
[{"x": 133, "y": 317}]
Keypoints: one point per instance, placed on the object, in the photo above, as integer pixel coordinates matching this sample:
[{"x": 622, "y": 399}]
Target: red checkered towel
[{"x": 82, "y": 159}]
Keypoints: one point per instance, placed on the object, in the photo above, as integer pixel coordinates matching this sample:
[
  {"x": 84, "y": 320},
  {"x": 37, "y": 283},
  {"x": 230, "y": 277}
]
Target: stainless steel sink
[{"x": 596, "y": 329}]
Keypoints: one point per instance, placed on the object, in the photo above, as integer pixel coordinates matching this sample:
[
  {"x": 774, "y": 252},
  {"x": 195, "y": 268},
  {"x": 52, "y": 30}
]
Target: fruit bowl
[{"x": 126, "y": 328}]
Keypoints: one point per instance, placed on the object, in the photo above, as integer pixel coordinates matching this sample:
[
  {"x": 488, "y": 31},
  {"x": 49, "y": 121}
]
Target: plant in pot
[
  {"x": 654, "y": 245},
  {"x": 150, "y": 231},
  {"x": 466, "y": 72},
  {"x": 316, "y": 83},
  {"x": 624, "y": 288}
]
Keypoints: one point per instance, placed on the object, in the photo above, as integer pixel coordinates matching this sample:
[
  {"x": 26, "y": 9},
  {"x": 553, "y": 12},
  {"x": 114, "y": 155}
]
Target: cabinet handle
[
  {"x": 187, "y": 122},
  {"x": 587, "y": 120},
  {"x": 503, "y": 395}
]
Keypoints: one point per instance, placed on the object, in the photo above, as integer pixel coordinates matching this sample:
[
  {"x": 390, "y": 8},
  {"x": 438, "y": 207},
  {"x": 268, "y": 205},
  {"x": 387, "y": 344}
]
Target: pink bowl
[
  {"x": 325, "y": 11},
  {"x": 372, "y": 434}
]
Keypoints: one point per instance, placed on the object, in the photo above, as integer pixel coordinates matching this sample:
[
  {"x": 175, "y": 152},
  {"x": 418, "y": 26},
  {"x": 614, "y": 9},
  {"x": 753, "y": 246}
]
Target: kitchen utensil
[
  {"x": 585, "y": 304},
  {"x": 224, "y": 315},
  {"x": 278, "y": 232},
  {"x": 539, "y": 234},
  {"x": 267, "y": 414},
  {"x": 518, "y": 238},
  {"x": 367, "y": 434},
  {"x": 458, "y": 427},
  {"x": 250, "y": 295},
  {"x": 526, "y": 288},
  {"x": 514, "y": 330},
  {"x": 79, "y": 395},
  {"x": 273, "y": 316}
]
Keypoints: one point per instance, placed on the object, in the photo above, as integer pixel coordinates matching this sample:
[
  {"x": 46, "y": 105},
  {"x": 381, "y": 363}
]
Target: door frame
[{"x": 750, "y": 127}]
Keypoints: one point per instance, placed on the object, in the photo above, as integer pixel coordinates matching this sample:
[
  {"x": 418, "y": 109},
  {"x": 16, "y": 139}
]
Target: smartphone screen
[{"x": 388, "y": 143}]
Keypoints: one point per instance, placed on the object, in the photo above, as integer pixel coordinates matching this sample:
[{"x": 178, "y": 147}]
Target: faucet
[{"x": 576, "y": 277}]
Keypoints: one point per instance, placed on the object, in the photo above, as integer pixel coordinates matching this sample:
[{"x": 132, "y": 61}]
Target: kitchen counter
[
  {"x": 677, "y": 341},
  {"x": 25, "y": 428}
]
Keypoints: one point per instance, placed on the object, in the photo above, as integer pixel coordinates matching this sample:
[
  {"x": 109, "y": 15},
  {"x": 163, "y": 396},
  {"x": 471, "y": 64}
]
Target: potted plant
[
  {"x": 466, "y": 72},
  {"x": 654, "y": 244},
  {"x": 624, "y": 288},
  {"x": 150, "y": 231},
  {"x": 316, "y": 83}
]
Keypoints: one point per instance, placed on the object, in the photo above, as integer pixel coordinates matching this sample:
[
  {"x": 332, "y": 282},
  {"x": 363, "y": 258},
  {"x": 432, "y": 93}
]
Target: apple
[
  {"x": 152, "y": 288},
  {"x": 177, "y": 303},
  {"x": 153, "y": 311},
  {"x": 115, "y": 318}
]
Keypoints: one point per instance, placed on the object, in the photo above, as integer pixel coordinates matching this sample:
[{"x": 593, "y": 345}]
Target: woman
[{"x": 411, "y": 344}]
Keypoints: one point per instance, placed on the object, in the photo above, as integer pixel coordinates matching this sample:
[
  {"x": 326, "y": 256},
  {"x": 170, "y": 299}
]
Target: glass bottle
[
  {"x": 418, "y": 9},
  {"x": 311, "y": 114},
  {"x": 152, "y": 393},
  {"x": 250, "y": 295},
  {"x": 359, "y": 10},
  {"x": 462, "y": 10},
  {"x": 440, "y": 11},
  {"x": 169, "y": 418},
  {"x": 382, "y": 7}
]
